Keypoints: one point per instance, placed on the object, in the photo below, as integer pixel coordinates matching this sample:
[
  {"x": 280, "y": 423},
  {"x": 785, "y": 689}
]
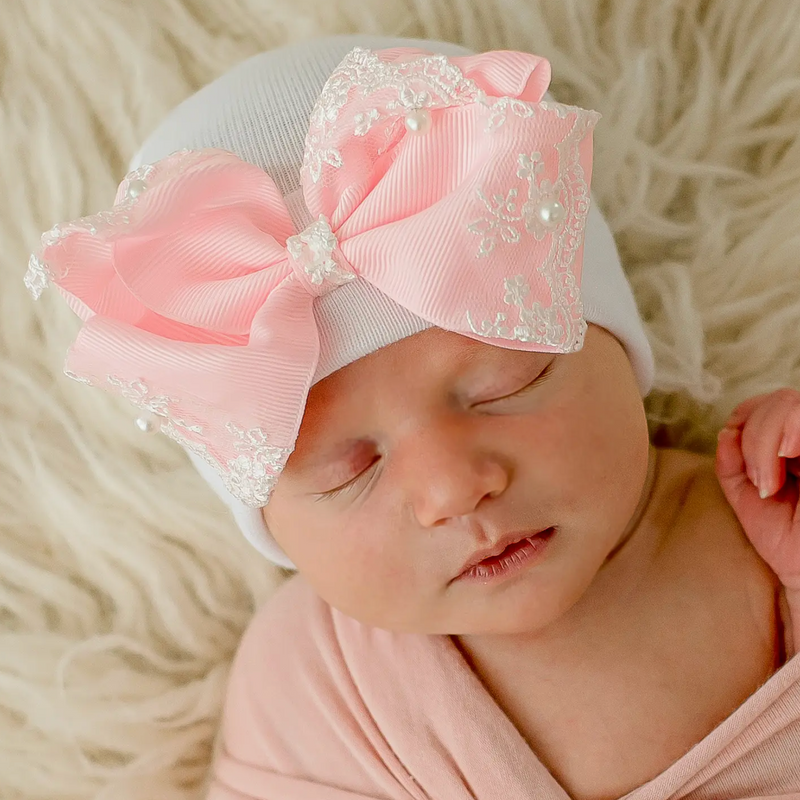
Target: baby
[{"x": 362, "y": 283}]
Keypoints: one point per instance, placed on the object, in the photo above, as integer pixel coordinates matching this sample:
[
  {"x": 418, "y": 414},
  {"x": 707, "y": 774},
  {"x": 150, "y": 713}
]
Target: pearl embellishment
[
  {"x": 135, "y": 188},
  {"x": 418, "y": 121},
  {"x": 148, "y": 422},
  {"x": 551, "y": 212}
]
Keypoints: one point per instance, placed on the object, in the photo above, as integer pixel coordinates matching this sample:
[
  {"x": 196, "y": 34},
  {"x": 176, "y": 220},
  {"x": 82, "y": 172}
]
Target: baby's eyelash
[
  {"x": 525, "y": 389},
  {"x": 345, "y": 487},
  {"x": 331, "y": 493}
]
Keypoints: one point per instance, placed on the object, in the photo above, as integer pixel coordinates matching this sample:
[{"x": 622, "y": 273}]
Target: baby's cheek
[
  {"x": 572, "y": 454},
  {"x": 556, "y": 438},
  {"x": 389, "y": 576}
]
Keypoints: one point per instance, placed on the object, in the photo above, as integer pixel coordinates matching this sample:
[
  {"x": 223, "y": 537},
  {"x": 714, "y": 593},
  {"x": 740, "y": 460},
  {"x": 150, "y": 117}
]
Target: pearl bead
[
  {"x": 135, "y": 188},
  {"x": 148, "y": 422},
  {"x": 418, "y": 121},
  {"x": 551, "y": 212}
]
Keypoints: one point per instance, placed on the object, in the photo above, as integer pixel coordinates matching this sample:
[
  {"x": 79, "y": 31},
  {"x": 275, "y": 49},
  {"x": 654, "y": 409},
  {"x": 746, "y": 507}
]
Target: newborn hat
[{"x": 314, "y": 204}]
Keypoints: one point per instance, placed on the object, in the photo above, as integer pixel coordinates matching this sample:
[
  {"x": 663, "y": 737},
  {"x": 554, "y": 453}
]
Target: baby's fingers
[
  {"x": 790, "y": 442},
  {"x": 770, "y": 434},
  {"x": 744, "y": 410},
  {"x": 731, "y": 470}
]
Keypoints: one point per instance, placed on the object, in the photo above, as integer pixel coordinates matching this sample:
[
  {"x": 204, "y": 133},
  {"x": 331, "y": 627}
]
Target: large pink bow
[{"x": 448, "y": 184}]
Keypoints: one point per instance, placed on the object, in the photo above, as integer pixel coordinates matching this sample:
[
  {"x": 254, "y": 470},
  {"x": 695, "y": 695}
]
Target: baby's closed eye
[
  {"x": 523, "y": 390},
  {"x": 349, "y": 484}
]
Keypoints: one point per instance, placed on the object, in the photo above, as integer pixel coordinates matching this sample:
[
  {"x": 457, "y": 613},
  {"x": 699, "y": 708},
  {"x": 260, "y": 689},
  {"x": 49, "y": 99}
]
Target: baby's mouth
[{"x": 505, "y": 546}]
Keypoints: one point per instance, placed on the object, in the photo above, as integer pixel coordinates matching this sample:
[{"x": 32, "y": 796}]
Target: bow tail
[{"x": 237, "y": 407}]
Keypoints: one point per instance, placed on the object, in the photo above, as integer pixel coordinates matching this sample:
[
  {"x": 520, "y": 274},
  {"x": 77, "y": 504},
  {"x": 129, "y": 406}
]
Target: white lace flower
[
  {"x": 499, "y": 222},
  {"x": 517, "y": 290},
  {"x": 410, "y": 99},
  {"x": 529, "y": 165},
  {"x": 363, "y": 122}
]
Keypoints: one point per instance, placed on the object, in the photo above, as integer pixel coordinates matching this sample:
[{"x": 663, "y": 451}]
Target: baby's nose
[{"x": 450, "y": 472}]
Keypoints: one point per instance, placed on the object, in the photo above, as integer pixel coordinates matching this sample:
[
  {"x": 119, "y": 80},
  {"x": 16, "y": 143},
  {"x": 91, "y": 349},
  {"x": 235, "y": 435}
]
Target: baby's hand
[{"x": 757, "y": 466}]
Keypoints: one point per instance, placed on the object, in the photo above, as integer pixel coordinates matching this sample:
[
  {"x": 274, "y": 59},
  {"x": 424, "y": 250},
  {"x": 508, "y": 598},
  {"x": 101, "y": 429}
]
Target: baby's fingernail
[
  {"x": 783, "y": 450},
  {"x": 764, "y": 486},
  {"x": 755, "y": 479}
]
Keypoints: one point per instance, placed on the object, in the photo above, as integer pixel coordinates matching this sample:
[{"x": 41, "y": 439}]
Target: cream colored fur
[{"x": 124, "y": 587}]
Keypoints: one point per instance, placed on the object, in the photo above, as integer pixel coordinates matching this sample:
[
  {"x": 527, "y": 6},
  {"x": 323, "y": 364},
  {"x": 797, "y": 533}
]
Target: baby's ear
[{"x": 508, "y": 73}]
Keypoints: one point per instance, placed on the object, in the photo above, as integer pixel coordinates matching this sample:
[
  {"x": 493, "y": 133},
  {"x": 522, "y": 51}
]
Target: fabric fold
[{"x": 321, "y": 707}]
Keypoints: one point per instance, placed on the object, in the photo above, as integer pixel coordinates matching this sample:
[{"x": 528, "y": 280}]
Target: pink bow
[{"x": 448, "y": 184}]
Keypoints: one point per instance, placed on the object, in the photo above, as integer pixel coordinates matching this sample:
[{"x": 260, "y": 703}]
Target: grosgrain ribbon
[{"x": 197, "y": 293}]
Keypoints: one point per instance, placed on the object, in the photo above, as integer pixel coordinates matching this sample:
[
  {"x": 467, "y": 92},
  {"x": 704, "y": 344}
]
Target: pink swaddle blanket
[{"x": 321, "y": 707}]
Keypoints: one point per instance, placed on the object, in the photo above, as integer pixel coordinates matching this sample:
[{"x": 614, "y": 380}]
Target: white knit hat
[{"x": 260, "y": 111}]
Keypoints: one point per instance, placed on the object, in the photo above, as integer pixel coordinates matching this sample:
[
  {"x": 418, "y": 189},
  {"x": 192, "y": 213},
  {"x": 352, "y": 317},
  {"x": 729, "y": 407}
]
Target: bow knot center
[{"x": 316, "y": 259}]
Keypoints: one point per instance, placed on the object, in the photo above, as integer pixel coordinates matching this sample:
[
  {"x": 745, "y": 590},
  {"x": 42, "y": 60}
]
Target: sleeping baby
[{"x": 363, "y": 283}]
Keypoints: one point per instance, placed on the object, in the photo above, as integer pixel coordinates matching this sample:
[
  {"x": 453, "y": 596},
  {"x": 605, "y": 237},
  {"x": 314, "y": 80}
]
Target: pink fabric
[
  {"x": 321, "y": 707},
  {"x": 196, "y": 292}
]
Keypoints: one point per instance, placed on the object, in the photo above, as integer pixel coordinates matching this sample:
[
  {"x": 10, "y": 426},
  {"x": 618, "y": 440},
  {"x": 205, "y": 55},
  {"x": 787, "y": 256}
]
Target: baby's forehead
[{"x": 430, "y": 357}]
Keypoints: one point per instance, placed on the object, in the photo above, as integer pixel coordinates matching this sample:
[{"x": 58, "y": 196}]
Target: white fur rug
[{"x": 123, "y": 586}]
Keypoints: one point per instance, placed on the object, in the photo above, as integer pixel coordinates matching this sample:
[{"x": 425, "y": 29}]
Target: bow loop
[
  {"x": 422, "y": 159},
  {"x": 192, "y": 247},
  {"x": 375, "y": 99},
  {"x": 507, "y": 74}
]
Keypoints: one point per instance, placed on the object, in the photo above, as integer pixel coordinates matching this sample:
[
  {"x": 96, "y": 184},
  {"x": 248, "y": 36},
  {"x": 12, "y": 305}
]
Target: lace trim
[
  {"x": 503, "y": 219},
  {"x": 424, "y": 82},
  {"x": 38, "y": 277},
  {"x": 40, "y": 273},
  {"x": 250, "y": 476},
  {"x": 561, "y": 323}
]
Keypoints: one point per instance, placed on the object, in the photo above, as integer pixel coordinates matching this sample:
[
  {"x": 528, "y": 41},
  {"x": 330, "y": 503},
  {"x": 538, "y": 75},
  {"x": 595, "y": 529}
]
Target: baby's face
[{"x": 414, "y": 457}]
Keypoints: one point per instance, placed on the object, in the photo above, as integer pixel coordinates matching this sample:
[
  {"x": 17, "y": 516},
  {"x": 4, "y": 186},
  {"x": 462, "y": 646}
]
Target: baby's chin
[{"x": 537, "y": 602}]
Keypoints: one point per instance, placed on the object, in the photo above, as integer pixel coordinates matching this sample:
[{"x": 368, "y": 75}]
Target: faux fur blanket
[{"x": 124, "y": 586}]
